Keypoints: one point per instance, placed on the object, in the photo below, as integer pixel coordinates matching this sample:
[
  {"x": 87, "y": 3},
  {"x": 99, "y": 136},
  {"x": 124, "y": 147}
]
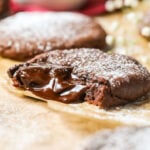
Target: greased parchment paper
[{"x": 26, "y": 123}]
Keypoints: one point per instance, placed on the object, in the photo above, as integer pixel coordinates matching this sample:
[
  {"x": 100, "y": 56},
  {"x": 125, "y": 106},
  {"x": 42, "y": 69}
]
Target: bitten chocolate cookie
[
  {"x": 4, "y": 8},
  {"x": 145, "y": 26},
  {"x": 126, "y": 138},
  {"x": 90, "y": 75},
  {"x": 27, "y": 34}
]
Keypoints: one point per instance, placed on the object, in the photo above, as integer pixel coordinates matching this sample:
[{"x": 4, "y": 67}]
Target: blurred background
[{"x": 90, "y": 7}]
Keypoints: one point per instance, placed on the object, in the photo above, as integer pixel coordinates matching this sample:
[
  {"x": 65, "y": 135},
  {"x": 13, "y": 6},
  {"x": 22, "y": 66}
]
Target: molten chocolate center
[{"x": 52, "y": 83}]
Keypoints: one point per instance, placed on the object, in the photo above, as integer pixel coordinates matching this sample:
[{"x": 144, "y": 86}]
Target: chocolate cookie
[
  {"x": 4, "y": 8},
  {"x": 145, "y": 26},
  {"x": 91, "y": 75},
  {"x": 27, "y": 34},
  {"x": 126, "y": 138}
]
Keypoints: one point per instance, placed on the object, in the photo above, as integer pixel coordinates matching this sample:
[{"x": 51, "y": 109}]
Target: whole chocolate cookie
[
  {"x": 27, "y": 34},
  {"x": 145, "y": 26},
  {"x": 91, "y": 75},
  {"x": 125, "y": 138}
]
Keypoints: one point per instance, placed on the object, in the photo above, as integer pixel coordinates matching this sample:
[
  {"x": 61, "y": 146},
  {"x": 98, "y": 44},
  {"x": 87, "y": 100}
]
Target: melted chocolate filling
[{"x": 56, "y": 83}]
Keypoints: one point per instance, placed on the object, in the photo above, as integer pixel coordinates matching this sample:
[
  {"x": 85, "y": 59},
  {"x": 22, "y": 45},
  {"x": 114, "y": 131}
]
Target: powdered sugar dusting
[
  {"x": 42, "y": 21},
  {"x": 45, "y": 31},
  {"x": 108, "y": 66}
]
